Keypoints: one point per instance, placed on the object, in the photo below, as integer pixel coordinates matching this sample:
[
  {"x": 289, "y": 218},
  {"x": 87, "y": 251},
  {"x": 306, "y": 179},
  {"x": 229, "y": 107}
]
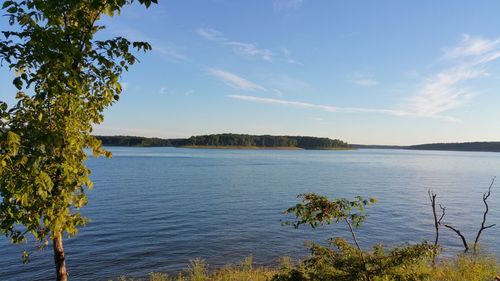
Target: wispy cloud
[
  {"x": 234, "y": 80},
  {"x": 362, "y": 80},
  {"x": 170, "y": 53},
  {"x": 284, "y": 5},
  {"x": 163, "y": 91},
  {"x": 165, "y": 50},
  {"x": 365, "y": 82},
  {"x": 437, "y": 94},
  {"x": 305, "y": 105},
  {"x": 242, "y": 48},
  {"x": 471, "y": 46},
  {"x": 447, "y": 89},
  {"x": 211, "y": 34},
  {"x": 287, "y": 55}
]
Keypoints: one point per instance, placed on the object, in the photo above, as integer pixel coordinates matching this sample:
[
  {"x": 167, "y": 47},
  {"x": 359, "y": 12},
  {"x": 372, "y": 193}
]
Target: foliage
[
  {"x": 477, "y": 267},
  {"x": 318, "y": 210},
  {"x": 198, "y": 271},
  {"x": 133, "y": 141},
  {"x": 65, "y": 79},
  {"x": 341, "y": 261},
  {"x": 408, "y": 262},
  {"x": 462, "y": 146},
  {"x": 231, "y": 140}
]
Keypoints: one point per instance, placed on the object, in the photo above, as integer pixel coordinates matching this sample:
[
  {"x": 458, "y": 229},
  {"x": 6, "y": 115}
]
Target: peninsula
[{"x": 231, "y": 141}]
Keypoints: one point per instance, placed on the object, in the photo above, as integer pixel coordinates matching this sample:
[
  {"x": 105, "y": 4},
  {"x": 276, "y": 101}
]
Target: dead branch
[
  {"x": 432, "y": 198},
  {"x": 483, "y": 227},
  {"x": 443, "y": 210},
  {"x": 466, "y": 246}
]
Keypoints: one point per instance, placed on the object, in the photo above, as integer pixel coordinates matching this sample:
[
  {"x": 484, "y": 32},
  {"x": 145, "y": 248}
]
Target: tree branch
[
  {"x": 466, "y": 246},
  {"x": 361, "y": 255},
  {"x": 483, "y": 227},
  {"x": 432, "y": 198},
  {"x": 443, "y": 210}
]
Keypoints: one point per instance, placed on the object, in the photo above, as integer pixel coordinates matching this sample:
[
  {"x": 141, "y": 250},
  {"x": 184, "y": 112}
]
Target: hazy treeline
[
  {"x": 459, "y": 146},
  {"x": 240, "y": 140},
  {"x": 463, "y": 146}
]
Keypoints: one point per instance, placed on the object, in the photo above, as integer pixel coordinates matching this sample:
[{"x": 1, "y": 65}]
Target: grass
[
  {"x": 462, "y": 267},
  {"x": 198, "y": 270},
  {"x": 465, "y": 267}
]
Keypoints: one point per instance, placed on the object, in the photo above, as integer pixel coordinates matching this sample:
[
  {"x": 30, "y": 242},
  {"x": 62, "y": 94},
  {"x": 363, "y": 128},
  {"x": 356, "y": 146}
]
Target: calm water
[{"x": 154, "y": 209}]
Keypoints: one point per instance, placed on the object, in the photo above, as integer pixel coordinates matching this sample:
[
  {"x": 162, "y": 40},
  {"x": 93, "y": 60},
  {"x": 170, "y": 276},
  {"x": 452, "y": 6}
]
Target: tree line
[{"x": 236, "y": 140}]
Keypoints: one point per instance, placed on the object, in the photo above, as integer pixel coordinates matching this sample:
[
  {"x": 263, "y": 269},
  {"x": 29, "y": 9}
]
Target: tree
[
  {"x": 65, "y": 80},
  {"x": 341, "y": 260},
  {"x": 318, "y": 210}
]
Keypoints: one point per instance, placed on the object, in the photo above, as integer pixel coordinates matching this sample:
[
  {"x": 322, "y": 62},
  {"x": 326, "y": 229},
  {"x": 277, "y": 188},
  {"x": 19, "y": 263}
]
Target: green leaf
[
  {"x": 6, "y": 4},
  {"x": 18, "y": 83}
]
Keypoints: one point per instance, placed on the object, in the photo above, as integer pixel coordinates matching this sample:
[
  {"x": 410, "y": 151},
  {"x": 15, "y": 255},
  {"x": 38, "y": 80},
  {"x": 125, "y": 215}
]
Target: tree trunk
[{"x": 59, "y": 258}]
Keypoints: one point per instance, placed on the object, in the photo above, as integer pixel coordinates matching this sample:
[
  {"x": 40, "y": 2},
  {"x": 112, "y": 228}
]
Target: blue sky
[{"x": 372, "y": 72}]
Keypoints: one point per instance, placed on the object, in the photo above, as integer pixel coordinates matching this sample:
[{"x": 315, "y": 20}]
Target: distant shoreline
[
  {"x": 259, "y": 147},
  {"x": 240, "y": 147},
  {"x": 268, "y": 142}
]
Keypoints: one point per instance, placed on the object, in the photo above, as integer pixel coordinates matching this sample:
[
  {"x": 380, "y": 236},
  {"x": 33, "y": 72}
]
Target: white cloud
[
  {"x": 287, "y": 54},
  {"x": 163, "y": 91},
  {"x": 335, "y": 109},
  {"x": 234, "y": 80},
  {"x": 362, "y": 80},
  {"x": 437, "y": 94},
  {"x": 211, "y": 34},
  {"x": 170, "y": 53},
  {"x": 446, "y": 90},
  {"x": 244, "y": 48},
  {"x": 283, "y": 5},
  {"x": 278, "y": 92},
  {"x": 318, "y": 119},
  {"x": 471, "y": 46},
  {"x": 327, "y": 108},
  {"x": 251, "y": 50},
  {"x": 166, "y": 50},
  {"x": 365, "y": 82}
]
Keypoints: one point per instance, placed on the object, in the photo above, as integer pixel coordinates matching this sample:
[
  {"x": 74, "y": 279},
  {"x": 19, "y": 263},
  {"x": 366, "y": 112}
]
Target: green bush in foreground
[{"x": 462, "y": 267}]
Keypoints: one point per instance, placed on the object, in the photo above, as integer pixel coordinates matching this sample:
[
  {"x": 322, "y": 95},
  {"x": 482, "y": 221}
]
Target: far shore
[
  {"x": 259, "y": 147},
  {"x": 241, "y": 147}
]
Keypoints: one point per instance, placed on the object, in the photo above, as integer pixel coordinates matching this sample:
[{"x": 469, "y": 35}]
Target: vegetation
[
  {"x": 199, "y": 271},
  {"x": 133, "y": 141},
  {"x": 65, "y": 79},
  {"x": 230, "y": 141},
  {"x": 463, "y": 267},
  {"x": 462, "y": 146}
]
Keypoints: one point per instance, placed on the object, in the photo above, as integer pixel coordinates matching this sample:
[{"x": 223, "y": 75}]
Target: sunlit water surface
[{"x": 154, "y": 209}]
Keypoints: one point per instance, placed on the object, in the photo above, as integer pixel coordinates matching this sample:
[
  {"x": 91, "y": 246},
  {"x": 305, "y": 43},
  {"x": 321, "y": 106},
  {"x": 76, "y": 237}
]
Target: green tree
[
  {"x": 317, "y": 210},
  {"x": 65, "y": 80}
]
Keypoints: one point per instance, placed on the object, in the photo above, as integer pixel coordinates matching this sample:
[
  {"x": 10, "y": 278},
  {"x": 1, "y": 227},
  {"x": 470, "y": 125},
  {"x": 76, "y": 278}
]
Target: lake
[{"x": 154, "y": 209}]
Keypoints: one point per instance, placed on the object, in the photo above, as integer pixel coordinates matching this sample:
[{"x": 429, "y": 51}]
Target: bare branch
[
  {"x": 443, "y": 211},
  {"x": 361, "y": 255},
  {"x": 466, "y": 246},
  {"x": 483, "y": 227},
  {"x": 432, "y": 198}
]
